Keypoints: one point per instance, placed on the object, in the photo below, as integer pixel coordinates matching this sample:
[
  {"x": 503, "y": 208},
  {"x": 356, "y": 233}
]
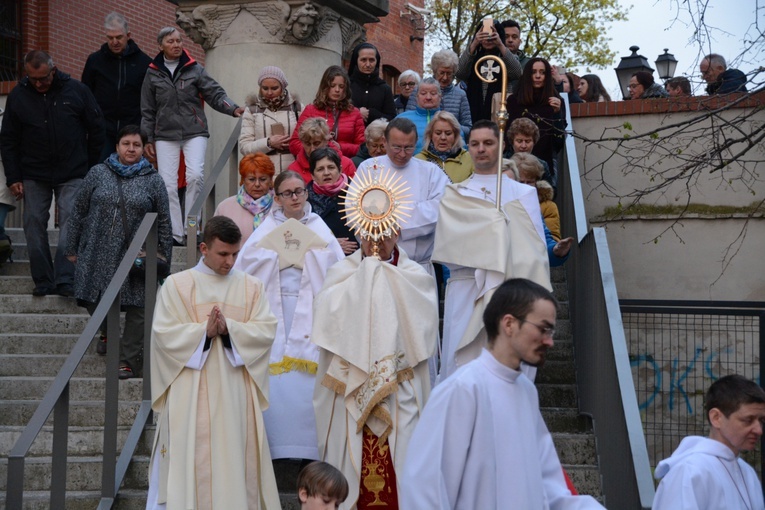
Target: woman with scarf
[
  {"x": 270, "y": 118},
  {"x": 370, "y": 94},
  {"x": 290, "y": 253},
  {"x": 537, "y": 99},
  {"x": 333, "y": 104},
  {"x": 110, "y": 205},
  {"x": 249, "y": 207},
  {"x": 324, "y": 195},
  {"x": 443, "y": 146}
]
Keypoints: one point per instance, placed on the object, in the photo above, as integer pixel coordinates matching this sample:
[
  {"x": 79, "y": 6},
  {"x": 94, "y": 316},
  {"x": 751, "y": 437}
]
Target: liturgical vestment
[
  {"x": 210, "y": 449},
  {"x": 376, "y": 325}
]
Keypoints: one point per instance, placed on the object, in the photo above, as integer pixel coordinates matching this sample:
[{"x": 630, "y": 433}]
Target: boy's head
[
  {"x": 523, "y": 134},
  {"x": 735, "y": 409},
  {"x": 529, "y": 168},
  {"x": 321, "y": 487}
]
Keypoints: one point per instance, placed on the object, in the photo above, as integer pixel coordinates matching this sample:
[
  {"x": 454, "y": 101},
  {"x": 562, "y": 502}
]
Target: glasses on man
[
  {"x": 397, "y": 148},
  {"x": 298, "y": 192},
  {"x": 44, "y": 79},
  {"x": 408, "y": 84},
  {"x": 543, "y": 330}
]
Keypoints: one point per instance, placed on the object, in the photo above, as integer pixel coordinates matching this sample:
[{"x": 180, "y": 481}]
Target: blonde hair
[
  {"x": 450, "y": 119},
  {"x": 528, "y": 163}
]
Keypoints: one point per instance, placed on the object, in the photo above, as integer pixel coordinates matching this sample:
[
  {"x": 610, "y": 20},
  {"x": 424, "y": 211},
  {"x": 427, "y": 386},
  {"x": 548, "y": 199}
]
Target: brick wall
[
  {"x": 70, "y": 31},
  {"x": 665, "y": 105},
  {"x": 391, "y": 36}
]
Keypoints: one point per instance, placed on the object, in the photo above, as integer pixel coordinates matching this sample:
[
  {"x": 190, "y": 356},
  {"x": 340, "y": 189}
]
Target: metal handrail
[
  {"x": 56, "y": 399},
  {"x": 206, "y": 195},
  {"x": 604, "y": 377}
]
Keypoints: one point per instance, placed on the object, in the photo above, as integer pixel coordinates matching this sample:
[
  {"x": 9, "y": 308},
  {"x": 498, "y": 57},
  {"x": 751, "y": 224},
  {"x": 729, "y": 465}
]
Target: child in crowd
[
  {"x": 321, "y": 485},
  {"x": 530, "y": 172}
]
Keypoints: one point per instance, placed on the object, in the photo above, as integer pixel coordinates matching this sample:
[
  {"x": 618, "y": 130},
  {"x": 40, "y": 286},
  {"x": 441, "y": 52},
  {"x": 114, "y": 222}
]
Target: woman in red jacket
[{"x": 333, "y": 104}]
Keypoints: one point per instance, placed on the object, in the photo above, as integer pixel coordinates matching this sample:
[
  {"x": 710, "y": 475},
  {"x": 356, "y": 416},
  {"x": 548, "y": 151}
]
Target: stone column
[{"x": 303, "y": 39}]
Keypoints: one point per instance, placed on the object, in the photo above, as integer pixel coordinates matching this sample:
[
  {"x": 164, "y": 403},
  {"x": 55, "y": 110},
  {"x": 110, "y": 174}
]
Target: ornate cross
[{"x": 488, "y": 70}]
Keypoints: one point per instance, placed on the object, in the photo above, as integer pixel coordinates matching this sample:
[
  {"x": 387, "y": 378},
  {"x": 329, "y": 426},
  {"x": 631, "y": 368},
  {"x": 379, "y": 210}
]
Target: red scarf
[{"x": 331, "y": 190}]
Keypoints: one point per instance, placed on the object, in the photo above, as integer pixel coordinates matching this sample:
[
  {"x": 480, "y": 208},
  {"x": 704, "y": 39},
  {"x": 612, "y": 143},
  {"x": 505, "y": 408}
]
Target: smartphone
[
  {"x": 277, "y": 128},
  {"x": 488, "y": 24}
]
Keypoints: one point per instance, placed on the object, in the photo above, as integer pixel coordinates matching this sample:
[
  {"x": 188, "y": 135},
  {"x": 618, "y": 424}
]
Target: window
[{"x": 10, "y": 40}]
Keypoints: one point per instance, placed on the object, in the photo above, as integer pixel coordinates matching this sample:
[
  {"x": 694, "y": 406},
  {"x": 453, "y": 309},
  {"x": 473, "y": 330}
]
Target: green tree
[{"x": 567, "y": 32}]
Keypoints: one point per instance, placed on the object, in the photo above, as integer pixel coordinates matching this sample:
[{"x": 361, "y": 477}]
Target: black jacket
[
  {"x": 51, "y": 137},
  {"x": 115, "y": 81},
  {"x": 369, "y": 90},
  {"x": 731, "y": 80}
]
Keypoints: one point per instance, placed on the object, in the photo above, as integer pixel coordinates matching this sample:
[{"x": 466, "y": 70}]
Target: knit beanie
[{"x": 272, "y": 72}]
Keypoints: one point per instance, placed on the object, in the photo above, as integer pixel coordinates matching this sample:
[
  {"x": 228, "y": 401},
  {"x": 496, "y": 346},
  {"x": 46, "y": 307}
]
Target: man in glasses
[
  {"x": 426, "y": 183},
  {"x": 52, "y": 134},
  {"x": 481, "y": 441}
]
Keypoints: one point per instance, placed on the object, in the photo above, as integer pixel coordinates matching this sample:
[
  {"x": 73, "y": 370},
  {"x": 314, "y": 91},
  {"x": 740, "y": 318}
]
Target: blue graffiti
[
  {"x": 678, "y": 384},
  {"x": 639, "y": 360}
]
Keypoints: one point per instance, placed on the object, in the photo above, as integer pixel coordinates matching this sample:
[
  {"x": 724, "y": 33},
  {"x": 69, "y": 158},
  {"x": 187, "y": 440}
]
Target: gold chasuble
[
  {"x": 376, "y": 324},
  {"x": 503, "y": 243},
  {"x": 210, "y": 449}
]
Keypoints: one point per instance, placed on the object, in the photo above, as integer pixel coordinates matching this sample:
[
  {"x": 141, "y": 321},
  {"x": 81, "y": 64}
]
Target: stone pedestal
[{"x": 303, "y": 39}]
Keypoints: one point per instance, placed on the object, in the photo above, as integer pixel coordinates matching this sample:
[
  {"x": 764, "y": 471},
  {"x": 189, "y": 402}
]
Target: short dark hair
[
  {"x": 131, "y": 129},
  {"x": 729, "y": 393},
  {"x": 321, "y": 153},
  {"x": 644, "y": 78},
  {"x": 37, "y": 58},
  {"x": 515, "y": 297},
  {"x": 404, "y": 125},
  {"x": 510, "y": 23},
  {"x": 323, "y": 479},
  {"x": 680, "y": 82},
  {"x": 222, "y": 228},
  {"x": 484, "y": 124}
]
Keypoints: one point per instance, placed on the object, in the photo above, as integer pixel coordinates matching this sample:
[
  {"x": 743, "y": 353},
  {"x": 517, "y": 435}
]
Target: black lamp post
[
  {"x": 629, "y": 66},
  {"x": 665, "y": 65}
]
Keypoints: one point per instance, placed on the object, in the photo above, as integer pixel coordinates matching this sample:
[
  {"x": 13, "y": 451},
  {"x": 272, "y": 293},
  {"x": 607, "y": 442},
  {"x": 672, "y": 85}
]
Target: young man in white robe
[
  {"x": 376, "y": 322},
  {"x": 512, "y": 243},
  {"x": 425, "y": 184},
  {"x": 481, "y": 441},
  {"x": 706, "y": 473},
  {"x": 211, "y": 338}
]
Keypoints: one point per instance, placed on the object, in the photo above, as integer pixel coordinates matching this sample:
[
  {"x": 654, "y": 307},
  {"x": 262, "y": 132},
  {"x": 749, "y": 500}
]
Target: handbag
[{"x": 138, "y": 269}]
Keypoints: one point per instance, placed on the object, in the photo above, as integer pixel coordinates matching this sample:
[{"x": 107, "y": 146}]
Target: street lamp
[
  {"x": 665, "y": 65},
  {"x": 629, "y": 66}
]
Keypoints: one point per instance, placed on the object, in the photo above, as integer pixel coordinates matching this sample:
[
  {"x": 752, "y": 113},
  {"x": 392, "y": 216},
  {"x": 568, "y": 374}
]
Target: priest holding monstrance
[{"x": 376, "y": 324}]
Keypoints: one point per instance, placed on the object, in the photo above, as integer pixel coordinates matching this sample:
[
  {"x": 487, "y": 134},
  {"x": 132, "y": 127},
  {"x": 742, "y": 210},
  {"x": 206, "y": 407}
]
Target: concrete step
[
  {"x": 52, "y": 323},
  {"x": 586, "y": 479},
  {"x": 87, "y": 389},
  {"x": 17, "y": 285},
  {"x": 562, "y": 350},
  {"x": 553, "y": 372},
  {"x": 17, "y": 236},
  {"x": 131, "y": 499},
  {"x": 26, "y": 303},
  {"x": 21, "y": 253},
  {"x": 48, "y": 365},
  {"x": 21, "y": 267},
  {"x": 82, "y": 441},
  {"x": 576, "y": 449},
  {"x": 83, "y": 473},
  {"x": 565, "y": 419},
  {"x": 50, "y": 343},
  {"x": 552, "y": 395},
  {"x": 82, "y": 413}
]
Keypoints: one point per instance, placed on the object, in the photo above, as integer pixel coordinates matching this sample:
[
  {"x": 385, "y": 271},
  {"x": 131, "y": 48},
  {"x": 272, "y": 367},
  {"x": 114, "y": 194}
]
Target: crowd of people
[{"x": 295, "y": 337}]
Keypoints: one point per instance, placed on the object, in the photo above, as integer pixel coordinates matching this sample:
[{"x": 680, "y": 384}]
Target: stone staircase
[{"x": 37, "y": 333}]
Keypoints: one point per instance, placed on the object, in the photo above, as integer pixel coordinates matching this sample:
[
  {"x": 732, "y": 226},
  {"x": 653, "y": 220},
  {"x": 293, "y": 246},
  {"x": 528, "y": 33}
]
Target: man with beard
[{"x": 481, "y": 441}]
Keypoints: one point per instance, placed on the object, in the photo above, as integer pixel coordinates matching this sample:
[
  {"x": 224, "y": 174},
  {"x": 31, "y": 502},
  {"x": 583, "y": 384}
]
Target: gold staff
[{"x": 486, "y": 74}]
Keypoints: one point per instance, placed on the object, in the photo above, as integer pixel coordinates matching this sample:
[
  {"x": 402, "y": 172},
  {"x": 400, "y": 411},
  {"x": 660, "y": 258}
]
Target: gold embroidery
[
  {"x": 163, "y": 451},
  {"x": 373, "y": 473},
  {"x": 288, "y": 364}
]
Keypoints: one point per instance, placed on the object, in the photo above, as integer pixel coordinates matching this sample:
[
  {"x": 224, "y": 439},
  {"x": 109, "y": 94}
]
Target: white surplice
[
  {"x": 484, "y": 247},
  {"x": 290, "y": 420},
  {"x": 704, "y": 474},
  {"x": 481, "y": 443},
  {"x": 210, "y": 449},
  {"x": 426, "y": 183}
]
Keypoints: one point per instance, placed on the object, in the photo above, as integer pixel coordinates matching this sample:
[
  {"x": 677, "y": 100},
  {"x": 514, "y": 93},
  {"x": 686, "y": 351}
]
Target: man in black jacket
[
  {"x": 52, "y": 134},
  {"x": 115, "y": 75}
]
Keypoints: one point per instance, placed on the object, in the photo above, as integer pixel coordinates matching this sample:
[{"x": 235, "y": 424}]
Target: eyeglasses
[
  {"x": 543, "y": 330},
  {"x": 397, "y": 148},
  {"x": 298, "y": 192},
  {"x": 44, "y": 79},
  {"x": 408, "y": 84}
]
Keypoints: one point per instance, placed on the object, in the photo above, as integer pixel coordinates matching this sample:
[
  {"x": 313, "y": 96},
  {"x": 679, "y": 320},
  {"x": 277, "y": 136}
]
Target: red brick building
[{"x": 70, "y": 30}]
